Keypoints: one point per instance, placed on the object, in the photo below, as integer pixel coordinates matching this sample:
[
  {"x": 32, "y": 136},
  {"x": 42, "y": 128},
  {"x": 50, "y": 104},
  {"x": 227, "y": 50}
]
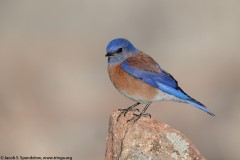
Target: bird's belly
[
  {"x": 163, "y": 96},
  {"x": 130, "y": 86}
]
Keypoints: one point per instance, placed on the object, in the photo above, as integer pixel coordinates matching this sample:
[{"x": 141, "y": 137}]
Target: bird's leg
[
  {"x": 131, "y": 108},
  {"x": 137, "y": 116}
]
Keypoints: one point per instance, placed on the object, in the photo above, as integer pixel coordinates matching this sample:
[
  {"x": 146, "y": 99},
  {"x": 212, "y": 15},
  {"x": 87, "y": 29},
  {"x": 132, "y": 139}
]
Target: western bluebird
[{"x": 137, "y": 76}]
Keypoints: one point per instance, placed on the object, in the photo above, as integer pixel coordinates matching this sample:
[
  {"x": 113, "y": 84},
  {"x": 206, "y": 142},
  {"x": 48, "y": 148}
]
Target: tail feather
[
  {"x": 179, "y": 93},
  {"x": 199, "y": 105}
]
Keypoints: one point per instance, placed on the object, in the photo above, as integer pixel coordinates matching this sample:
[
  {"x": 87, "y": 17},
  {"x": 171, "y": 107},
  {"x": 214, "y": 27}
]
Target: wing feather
[{"x": 143, "y": 67}]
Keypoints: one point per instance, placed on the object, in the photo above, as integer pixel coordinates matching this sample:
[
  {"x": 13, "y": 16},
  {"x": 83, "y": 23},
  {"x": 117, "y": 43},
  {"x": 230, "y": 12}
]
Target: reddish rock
[{"x": 147, "y": 139}]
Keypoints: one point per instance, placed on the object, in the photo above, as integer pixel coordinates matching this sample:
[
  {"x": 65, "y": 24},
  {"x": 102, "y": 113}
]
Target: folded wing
[{"x": 143, "y": 67}]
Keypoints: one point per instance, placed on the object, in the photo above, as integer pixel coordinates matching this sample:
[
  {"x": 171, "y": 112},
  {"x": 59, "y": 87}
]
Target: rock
[{"x": 147, "y": 139}]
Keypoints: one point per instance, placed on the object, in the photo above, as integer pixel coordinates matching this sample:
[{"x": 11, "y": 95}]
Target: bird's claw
[
  {"x": 131, "y": 109},
  {"x": 138, "y": 116},
  {"x": 125, "y": 111}
]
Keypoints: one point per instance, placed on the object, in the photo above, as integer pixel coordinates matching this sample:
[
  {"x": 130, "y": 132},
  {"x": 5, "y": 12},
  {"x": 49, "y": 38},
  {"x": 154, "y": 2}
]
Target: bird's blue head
[{"x": 119, "y": 49}]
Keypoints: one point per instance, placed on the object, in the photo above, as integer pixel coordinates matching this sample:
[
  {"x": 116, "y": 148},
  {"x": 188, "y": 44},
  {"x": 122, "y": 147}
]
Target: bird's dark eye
[{"x": 119, "y": 50}]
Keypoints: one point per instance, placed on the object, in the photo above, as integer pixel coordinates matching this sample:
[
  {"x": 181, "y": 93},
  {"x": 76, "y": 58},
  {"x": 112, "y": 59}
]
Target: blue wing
[{"x": 162, "y": 81}]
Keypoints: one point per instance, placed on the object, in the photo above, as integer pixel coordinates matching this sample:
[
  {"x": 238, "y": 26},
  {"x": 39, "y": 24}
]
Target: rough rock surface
[{"x": 147, "y": 139}]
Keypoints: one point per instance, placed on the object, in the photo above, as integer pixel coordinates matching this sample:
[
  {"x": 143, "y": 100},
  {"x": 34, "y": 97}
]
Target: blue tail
[
  {"x": 199, "y": 105},
  {"x": 178, "y": 92}
]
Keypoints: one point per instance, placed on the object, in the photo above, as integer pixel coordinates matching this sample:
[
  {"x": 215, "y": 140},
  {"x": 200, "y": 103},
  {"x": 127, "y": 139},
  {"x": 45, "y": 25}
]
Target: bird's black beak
[{"x": 108, "y": 54}]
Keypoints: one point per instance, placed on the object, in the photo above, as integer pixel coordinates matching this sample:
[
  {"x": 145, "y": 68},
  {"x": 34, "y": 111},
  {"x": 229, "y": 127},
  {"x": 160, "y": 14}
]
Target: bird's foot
[
  {"x": 138, "y": 116},
  {"x": 124, "y": 111}
]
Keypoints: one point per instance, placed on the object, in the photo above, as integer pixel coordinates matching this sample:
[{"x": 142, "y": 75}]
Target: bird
[{"x": 139, "y": 77}]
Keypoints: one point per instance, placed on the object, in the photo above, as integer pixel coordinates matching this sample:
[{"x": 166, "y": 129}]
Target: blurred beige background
[{"x": 55, "y": 93}]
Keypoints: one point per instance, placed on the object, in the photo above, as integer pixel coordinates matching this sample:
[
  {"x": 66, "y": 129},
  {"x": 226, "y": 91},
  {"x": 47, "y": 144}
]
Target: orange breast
[{"x": 130, "y": 86}]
